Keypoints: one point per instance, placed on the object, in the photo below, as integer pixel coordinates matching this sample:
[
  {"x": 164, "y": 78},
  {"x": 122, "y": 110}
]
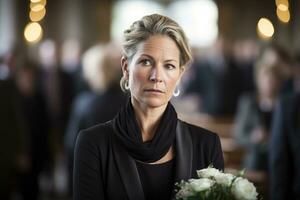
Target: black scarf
[{"x": 129, "y": 134}]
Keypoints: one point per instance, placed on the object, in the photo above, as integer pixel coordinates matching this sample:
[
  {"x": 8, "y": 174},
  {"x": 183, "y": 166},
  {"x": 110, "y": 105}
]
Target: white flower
[
  {"x": 201, "y": 184},
  {"x": 210, "y": 177},
  {"x": 184, "y": 192},
  {"x": 208, "y": 172},
  {"x": 243, "y": 189},
  {"x": 224, "y": 179}
]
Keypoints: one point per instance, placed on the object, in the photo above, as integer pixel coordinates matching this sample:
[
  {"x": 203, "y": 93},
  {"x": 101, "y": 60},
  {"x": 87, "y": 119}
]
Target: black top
[{"x": 157, "y": 179}]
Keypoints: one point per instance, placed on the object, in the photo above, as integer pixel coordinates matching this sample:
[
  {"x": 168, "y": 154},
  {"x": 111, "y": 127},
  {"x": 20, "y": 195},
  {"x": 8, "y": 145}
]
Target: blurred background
[{"x": 60, "y": 72}]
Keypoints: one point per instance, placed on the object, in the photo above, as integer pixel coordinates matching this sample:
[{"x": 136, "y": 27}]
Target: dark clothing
[
  {"x": 249, "y": 117},
  {"x": 246, "y": 76},
  {"x": 105, "y": 170},
  {"x": 284, "y": 148},
  {"x": 90, "y": 109},
  {"x": 34, "y": 114},
  {"x": 127, "y": 131},
  {"x": 12, "y": 143},
  {"x": 36, "y": 129},
  {"x": 219, "y": 86},
  {"x": 157, "y": 179}
]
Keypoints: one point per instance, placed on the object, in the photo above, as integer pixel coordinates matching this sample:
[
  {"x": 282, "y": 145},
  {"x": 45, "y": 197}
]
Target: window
[{"x": 198, "y": 18}]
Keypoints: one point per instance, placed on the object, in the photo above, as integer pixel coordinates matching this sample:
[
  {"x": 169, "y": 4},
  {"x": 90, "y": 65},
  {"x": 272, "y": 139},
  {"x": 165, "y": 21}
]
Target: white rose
[
  {"x": 184, "y": 193},
  {"x": 208, "y": 172},
  {"x": 201, "y": 184},
  {"x": 224, "y": 179},
  {"x": 243, "y": 189}
]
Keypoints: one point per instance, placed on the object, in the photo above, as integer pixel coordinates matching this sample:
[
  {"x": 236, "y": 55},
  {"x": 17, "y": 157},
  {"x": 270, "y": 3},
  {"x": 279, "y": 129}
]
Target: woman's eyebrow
[
  {"x": 146, "y": 55},
  {"x": 149, "y": 56},
  {"x": 171, "y": 60}
]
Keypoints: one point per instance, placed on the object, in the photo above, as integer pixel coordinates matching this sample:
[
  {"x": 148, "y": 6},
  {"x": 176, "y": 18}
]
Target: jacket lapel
[
  {"x": 128, "y": 172},
  {"x": 184, "y": 152}
]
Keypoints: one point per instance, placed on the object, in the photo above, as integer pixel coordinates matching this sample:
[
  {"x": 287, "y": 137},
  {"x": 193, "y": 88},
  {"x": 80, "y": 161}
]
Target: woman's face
[{"x": 153, "y": 71}]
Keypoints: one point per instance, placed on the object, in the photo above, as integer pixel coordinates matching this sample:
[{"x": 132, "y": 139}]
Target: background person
[{"x": 284, "y": 148}]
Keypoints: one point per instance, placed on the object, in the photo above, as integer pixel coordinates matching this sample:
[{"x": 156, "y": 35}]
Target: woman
[
  {"x": 254, "y": 116},
  {"x": 145, "y": 149}
]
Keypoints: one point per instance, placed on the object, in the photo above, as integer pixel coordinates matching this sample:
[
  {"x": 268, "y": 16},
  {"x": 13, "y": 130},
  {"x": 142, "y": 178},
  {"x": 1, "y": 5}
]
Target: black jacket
[{"x": 104, "y": 170}]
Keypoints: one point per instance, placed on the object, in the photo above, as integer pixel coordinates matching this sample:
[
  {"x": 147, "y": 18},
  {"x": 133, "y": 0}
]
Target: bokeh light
[
  {"x": 37, "y": 16},
  {"x": 283, "y": 16},
  {"x": 33, "y": 32},
  {"x": 38, "y": 3},
  {"x": 37, "y": 7},
  {"x": 265, "y": 28},
  {"x": 282, "y": 7},
  {"x": 282, "y": 2},
  {"x": 35, "y": 1}
]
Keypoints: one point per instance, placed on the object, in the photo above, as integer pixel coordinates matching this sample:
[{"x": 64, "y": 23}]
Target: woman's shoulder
[
  {"x": 98, "y": 134},
  {"x": 199, "y": 133}
]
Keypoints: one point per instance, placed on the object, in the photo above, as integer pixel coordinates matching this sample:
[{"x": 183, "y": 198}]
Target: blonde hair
[
  {"x": 101, "y": 67},
  {"x": 150, "y": 25}
]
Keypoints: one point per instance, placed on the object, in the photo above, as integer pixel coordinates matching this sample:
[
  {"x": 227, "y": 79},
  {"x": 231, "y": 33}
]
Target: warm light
[
  {"x": 37, "y": 16},
  {"x": 40, "y": 3},
  {"x": 282, "y": 7},
  {"x": 283, "y": 16},
  {"x": 33, "y": 32},
  {"x": 265, "y": 28},
  {"x": 37, "y": 7},
  {"x": 282, "y": 2},
  {"x": 35, "y": 1}
]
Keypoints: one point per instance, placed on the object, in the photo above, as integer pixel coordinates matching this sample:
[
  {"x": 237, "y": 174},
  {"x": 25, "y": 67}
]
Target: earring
[
  {"x": 126, "y": 85},
  {"x": 176, "y": 94}
]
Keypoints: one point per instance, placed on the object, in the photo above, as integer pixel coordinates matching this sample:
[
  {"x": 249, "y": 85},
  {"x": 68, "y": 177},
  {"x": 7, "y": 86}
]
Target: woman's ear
[
  {"x": 182, "y": 69},
  {"x": 125, "y": 67}
]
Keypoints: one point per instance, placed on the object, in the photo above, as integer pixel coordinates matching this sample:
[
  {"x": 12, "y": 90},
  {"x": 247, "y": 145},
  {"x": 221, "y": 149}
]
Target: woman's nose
[{"x": 156, "y": 75}]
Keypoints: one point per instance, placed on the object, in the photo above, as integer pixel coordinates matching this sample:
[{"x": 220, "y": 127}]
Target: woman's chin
[{"x": 154, "y": 101}]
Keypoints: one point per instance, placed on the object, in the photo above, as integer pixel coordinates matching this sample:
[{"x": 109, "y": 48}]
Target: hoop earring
[
  {"x": 126, "y": 85},
  {"x": 176, "y": 94}
]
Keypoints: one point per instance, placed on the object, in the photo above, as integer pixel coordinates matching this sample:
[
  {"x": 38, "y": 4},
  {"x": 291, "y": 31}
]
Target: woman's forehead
[{"x": 159, "y": 46}]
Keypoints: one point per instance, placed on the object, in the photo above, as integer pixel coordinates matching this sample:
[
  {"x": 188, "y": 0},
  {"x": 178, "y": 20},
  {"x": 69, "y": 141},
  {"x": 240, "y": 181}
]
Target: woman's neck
[{"x": 147, "y": 117}]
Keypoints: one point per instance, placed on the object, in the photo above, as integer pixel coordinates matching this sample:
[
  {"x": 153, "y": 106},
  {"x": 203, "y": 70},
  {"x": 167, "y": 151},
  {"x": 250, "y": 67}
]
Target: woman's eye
[
  {"x": 169, "y": 66},
  {"x": 145, "y": 62}
]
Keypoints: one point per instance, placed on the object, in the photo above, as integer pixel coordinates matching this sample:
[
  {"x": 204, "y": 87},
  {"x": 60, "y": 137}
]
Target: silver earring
[
  {"x": 176, "y": 93},
  {"x": 126, "y": 85}
]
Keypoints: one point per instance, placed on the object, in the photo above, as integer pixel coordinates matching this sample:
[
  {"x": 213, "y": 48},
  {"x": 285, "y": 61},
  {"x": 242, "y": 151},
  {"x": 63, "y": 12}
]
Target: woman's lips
[{"x": 154, "y": 90}]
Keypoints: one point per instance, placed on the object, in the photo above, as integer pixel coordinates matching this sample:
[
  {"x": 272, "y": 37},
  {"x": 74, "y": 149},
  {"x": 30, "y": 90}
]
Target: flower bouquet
[{"x": 216, "y": 185}]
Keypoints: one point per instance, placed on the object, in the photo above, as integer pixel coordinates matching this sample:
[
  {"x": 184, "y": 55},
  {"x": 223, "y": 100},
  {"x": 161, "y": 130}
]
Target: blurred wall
[
  {"x": 90, "y": 20},
  {"x": 238, "y": 19}
]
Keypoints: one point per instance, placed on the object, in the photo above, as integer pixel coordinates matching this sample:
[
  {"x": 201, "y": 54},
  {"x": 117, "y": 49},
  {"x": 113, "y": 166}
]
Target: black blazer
[{"x": 104, "y": 170}]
